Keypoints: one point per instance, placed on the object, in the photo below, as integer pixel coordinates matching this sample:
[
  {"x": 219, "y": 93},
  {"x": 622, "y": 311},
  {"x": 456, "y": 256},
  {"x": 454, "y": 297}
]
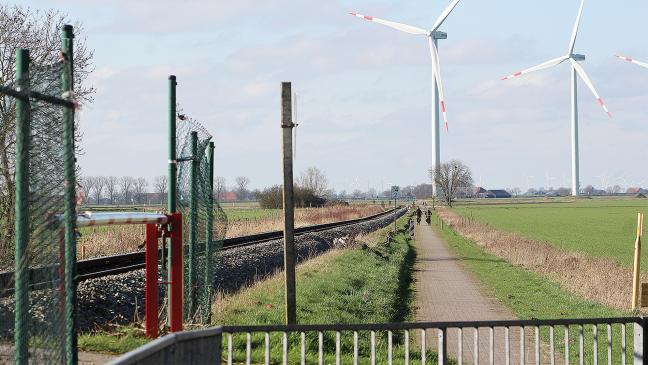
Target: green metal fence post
[
  {"x": 21, "y": 277},
  {"x": 193, "y": 223},
  {"x": 173, "y": 168},
  {"x": 209, "y": 236},
  {"x": 173, "y": 175},
  {"x": 70, "y": 279}
]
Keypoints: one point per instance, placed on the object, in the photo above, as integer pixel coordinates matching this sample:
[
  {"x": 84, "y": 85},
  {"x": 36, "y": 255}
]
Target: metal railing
[{"x": 561, "y": 341}]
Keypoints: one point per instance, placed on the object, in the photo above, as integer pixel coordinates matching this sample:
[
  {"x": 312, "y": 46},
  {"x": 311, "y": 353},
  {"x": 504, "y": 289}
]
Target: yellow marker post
[{"x": 637, "y": 263}]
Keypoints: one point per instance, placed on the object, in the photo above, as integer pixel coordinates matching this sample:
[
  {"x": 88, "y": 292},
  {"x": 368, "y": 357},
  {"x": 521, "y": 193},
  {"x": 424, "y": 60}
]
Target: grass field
[
  {"x": 530, "y": 295},
  {"x": 595, "y": 227}
]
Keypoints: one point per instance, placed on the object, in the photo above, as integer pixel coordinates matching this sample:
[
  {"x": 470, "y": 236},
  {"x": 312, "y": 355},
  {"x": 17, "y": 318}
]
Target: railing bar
[
  {"x": 460, "y": 345},
  {"x": 337, "y": 348},
  {"x": 267, "y": 348},
  {"x": 407, "y": 347},
  {"x": 552, "y": 350},
  {"x": 522, "y": 349},
  {"x": 355, "y": 347},
  {"x": 248, "y": 348},
  {"x": 491, "y": 341},
  {"x": 229, "y": 349},
  {"x": 402, "y": 326},
  {"x": 595, "y": 343},
  {"x": 373, "y": 347},
  {"x": 566, "y": 345},
  {"x": 623, "y": 344},
  {"x": 507, "y": 346},
  {"x": 581, "y": 345},
  {"x": 423, "y": 346},
  {"x": 389, "y": 347},
  {"x": 320, "y": 347},
  {"x": 303, "y": 348},
  {"x": 537, "y": 345},
  {"x": 442, "y": 358},
  {"x": 476, "y": 346},
  {"x": 609, "y": 343},
  {"x": 285, "y": 348}
]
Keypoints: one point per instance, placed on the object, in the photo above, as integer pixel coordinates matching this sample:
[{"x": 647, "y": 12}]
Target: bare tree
[
  {"x": 452, "y": 177},
  {"x": 161, "y": 186},
  {"x": 242, "y": 183},
  {"x": 99, "y": 184},
  {"x": 313, "y": 179},
  {"x": 111, "y": 188},
  {"x": 39, "y": 32},
  {"x": 126, "y": 186},
  {"x": 87, "y": 184},
  {"x": 139, "y": 188},
  {"x": 219, "y": 186}
]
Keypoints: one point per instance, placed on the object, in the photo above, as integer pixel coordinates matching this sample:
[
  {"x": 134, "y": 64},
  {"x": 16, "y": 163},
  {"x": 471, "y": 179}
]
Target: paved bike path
[{"x": 448, "y": 291}]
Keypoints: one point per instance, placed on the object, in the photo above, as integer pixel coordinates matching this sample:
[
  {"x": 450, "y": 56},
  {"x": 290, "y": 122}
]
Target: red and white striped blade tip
[
  {"x": 366, "y": 17},
  {"x": 446, "y": 126},
  {"x": 519, "y": 73},
  {"x": 602, "y": 104},
  {"x": 625, "y": 58}
]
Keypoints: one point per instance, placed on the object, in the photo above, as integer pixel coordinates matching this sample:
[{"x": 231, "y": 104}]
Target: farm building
[{"x": 498, "y": 194}]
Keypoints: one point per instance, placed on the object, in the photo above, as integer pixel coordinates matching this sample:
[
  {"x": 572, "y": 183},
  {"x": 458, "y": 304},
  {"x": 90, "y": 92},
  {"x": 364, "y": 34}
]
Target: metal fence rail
[{"x": 561, "y": 341}]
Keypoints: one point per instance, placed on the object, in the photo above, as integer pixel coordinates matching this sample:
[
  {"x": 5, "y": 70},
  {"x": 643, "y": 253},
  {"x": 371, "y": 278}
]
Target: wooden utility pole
[
  {"x": 637, "y": 263},
  {"x": 288, "y": 203}
]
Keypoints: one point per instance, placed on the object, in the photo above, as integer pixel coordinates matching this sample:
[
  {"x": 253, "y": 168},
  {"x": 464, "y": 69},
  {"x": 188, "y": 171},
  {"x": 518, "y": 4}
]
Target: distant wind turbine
[
  {"x": 632, "y": 60},
  {"x": 438, "y": 100},
  {"x": 576, "y": 70}
]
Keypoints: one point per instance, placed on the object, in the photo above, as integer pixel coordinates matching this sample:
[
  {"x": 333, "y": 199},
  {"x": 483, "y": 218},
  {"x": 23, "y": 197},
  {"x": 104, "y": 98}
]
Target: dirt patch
[{"x": 598, "y": 279}]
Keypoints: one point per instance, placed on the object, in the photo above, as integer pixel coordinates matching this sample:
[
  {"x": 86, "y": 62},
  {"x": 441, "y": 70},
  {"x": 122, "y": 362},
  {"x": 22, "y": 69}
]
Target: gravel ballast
[{"x": 119, "y": 299}]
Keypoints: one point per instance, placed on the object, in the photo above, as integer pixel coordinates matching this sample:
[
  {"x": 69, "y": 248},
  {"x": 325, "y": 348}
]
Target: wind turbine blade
[
  {"x": 550, "y": 63},
  {"x": 581, "y": 72},
  {"x": 572, "y": 41},
  {"x": 402, "y": 27},
  {"x": 632, "y": 60},
  {"x": 436, "y": 68},
  {"x": 444, "y": 15}
]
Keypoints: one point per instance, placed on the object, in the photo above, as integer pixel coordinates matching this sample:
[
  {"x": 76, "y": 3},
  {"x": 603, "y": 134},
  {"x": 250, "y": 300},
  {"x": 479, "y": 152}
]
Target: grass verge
[{"x": 530, "y": 295}]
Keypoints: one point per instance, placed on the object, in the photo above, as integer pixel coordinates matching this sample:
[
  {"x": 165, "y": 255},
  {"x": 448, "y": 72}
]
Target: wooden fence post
[{"x": 637, "y": 263}]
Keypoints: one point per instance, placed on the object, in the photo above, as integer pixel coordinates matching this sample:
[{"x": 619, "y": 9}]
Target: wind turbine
[
  {"x": 632, "y": 60},
  {"x": 576, "y": 70},
  {"x": 438, "y": 100}
]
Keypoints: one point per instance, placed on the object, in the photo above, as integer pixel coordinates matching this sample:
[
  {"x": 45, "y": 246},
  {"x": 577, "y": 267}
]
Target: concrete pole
[
  {"x": 574, "y": 131},
  {"x": 436, "y": 144},
  {"x": 288, "y": 203}
]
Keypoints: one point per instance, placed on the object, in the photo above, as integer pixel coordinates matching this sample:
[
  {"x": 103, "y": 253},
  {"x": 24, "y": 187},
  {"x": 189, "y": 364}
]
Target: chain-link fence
[
  {"x": 204, "y": 221},
  {"x": 43, "y": 181}
]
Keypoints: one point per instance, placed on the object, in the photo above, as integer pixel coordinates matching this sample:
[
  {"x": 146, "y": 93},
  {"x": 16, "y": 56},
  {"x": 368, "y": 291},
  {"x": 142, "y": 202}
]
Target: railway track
[{"x": 123, "y": 263}]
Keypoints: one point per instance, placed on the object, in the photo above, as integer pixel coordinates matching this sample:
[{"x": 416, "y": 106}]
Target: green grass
[
  {"x": 119, "y": 341},
  {"x": 530, "y": 295},
  {"x": 362, "y": 285},
  {"x": 595, "y": 227},
  {"x": 251, "y": 213}
]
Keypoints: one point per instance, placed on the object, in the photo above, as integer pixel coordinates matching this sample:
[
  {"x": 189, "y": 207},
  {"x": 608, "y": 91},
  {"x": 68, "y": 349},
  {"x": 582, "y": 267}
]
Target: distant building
[
  {"x": 498, "y": 194},
  {"x": 636, "y": 190},
  {"x": 228, "y": 196}
]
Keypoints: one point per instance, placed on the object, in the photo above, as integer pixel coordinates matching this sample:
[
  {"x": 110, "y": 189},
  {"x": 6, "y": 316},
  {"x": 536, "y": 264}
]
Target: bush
[{"x": 272, "y": 198}]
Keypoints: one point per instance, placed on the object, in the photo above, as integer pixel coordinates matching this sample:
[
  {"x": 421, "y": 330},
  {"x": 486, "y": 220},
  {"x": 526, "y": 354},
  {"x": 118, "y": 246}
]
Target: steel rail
[{"x": 123, "y": 263}]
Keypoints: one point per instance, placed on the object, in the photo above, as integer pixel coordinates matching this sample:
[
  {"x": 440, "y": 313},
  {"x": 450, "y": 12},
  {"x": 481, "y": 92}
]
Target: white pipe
[{"x": 88, "y": 219}]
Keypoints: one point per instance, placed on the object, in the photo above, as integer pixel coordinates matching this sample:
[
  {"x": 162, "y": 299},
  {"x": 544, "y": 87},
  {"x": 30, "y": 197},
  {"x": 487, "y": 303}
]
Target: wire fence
[
  {"x": 204, "y": 223},
  {"x": 44, "y": 208}
]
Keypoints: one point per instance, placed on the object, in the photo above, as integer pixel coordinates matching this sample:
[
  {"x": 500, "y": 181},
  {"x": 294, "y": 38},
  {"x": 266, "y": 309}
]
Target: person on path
[
  {"x": 411, "y": 228},
  {"x": 418, "y": 215},
  {"x": 428, "y": 217}
]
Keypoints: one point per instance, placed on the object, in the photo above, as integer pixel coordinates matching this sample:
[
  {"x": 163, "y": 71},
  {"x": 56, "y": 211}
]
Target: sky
[{"x": 364, "y": 89}]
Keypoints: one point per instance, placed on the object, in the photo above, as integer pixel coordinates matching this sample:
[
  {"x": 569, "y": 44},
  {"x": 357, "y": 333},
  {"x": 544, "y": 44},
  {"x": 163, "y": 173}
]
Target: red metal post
[
  {"x": 176, "y": 285},
  {"x": 151, "y": 284}
]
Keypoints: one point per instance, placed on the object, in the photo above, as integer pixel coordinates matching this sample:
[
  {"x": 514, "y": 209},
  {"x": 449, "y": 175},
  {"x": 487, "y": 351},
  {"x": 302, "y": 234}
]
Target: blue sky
[{"x": 364, "y": 89}]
